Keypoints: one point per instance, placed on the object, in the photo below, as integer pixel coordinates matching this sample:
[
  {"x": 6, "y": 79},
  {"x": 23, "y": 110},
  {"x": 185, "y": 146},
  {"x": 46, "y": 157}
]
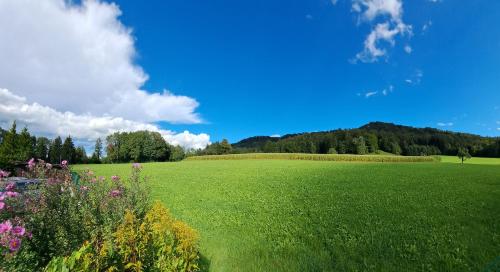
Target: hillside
[{"x": 372, "y": 137}]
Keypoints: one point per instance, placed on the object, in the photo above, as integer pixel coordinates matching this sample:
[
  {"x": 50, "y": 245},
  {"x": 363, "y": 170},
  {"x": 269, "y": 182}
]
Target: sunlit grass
[
  {"x": 286, "y": 215},
  {"x": 473, "y": 160}
]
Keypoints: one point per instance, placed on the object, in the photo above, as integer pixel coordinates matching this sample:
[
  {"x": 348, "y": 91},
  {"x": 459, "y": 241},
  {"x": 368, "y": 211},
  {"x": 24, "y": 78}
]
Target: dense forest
[{"x": 375, "y": 137}]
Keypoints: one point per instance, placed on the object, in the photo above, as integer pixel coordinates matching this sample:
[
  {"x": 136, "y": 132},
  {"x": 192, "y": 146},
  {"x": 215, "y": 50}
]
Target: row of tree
[
  {"x": 141, "y": 146},
  {"x": 20, "y": 147},
  {"x": 217, "y": 148},
  {"x": 373, "y": 138}
]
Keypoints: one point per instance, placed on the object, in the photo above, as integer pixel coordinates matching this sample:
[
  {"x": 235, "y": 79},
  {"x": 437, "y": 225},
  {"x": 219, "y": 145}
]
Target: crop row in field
[{"x": 318, "y": 157}]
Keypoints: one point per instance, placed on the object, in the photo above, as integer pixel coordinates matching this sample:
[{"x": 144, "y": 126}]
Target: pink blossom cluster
[
  {"x": 115, "y": 193},
  {"x": 11, "y": 236},
  {"x": 9, "y": 193},
  {"x": 3, "y": 174}
]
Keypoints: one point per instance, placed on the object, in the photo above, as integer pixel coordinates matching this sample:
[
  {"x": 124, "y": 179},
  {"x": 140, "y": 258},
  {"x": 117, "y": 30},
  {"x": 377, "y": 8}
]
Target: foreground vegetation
[
  {"x": 317, "y": 157},
  {"x": 89, "y": 224},
  {"x": 286, "y": 215}
]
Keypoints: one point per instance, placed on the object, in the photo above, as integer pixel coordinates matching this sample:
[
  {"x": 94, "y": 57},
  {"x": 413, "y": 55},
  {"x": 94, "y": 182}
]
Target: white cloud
[
  {"x": 275, "y": 136},
  {"x": 370, "y": 94},
  {"x": 391, "y": 12},
  {"x": 385, "y": 92},
  {"x": 74, "y": 63},
  {"x": 442, "y": 124},
  {"x": 334, "y": 2},
  {"x": 80, "y": 58},
  {"x": 86, "y": 127},
  {"x": 415, "y": 78},
  {"x": 408, "y": 49},
  {"x": 426, "y": 26}
]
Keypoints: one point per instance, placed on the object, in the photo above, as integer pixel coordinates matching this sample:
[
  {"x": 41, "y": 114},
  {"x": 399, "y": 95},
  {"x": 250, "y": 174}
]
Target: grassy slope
[{"x": 274, "y": 215}]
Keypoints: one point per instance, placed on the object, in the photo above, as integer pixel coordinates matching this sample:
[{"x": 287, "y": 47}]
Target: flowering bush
[
  {"x": 61, "y": 215},
  {"x": 156, "y": 242}
]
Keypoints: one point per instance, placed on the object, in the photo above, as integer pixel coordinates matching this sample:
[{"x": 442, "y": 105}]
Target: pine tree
[
  {"x": 9, "y": 145},
  {"x": 68, "y": 150},
  {"x": 96, "y": 157},
  {"x": 24, "y": 150},
  {"x": 80, "y": 155},
  {"x": 42, "y": 148},
  {"x": 55, "y": 151}
]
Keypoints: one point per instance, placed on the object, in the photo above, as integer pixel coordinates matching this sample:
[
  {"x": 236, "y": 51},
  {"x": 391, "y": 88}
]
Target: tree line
[
  {"x": 139, "y": 146},
  {"x": 21, "y": 146},
  {"x": 375, "y": 137}
]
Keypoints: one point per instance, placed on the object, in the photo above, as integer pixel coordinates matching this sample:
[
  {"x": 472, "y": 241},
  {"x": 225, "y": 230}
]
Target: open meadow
[{"x": 285, "y": 215}]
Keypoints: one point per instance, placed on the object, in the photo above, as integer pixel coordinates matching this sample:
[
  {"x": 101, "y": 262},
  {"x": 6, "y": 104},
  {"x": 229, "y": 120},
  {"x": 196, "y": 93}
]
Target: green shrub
[
  {"x": 61, "y": 214},
  {"x": 155, "y": 242}
]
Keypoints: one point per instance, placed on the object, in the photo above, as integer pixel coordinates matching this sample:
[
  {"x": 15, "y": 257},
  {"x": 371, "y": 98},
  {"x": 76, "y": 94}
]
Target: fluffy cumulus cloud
[
  {"x": 85, "y": 127},
  {"x": 386, "y": 16},
  {"x": 74, "y": 63}
]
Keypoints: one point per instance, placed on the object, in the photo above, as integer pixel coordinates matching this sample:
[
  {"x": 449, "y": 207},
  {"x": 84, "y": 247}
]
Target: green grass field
[
  {"x": 474, "y": 160},
  {"x": 290, "y": 215}
]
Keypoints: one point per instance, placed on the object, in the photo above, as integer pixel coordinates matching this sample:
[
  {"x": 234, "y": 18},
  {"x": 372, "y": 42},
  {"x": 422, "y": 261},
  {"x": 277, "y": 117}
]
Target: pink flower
[
  {"x": 14, "y": 244},
  {"x": 102, "y": 178},
  {"x": 64, "y": 163},
  {"x": 115, "y": 193},
  {"x": 115, "y": 178},
  {"x": 10, "y": 186},
  {"x": 11, "y": 194},
  {"x": 2, "y": 196},
  {"x": 136, "y": 165},
  {"x": 6, "y": 226},
  {"x": 84, "y": 188},
  {"x": 2, "y": 205},
  {"x": 31, "y": 163},
  {"x": 4, "y": 174},
  {"x": 18, "y": 231},
  {"x": 48, "y": 165},
  {"x": 93, "y": 180}
]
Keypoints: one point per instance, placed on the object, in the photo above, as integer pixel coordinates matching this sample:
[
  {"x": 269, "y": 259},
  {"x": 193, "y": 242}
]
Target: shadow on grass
[{"x": 204, "y": 263}]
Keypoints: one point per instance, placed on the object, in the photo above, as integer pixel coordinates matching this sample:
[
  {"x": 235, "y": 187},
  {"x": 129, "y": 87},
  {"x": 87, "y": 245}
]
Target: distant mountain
[{"x": 373, "y": 137}]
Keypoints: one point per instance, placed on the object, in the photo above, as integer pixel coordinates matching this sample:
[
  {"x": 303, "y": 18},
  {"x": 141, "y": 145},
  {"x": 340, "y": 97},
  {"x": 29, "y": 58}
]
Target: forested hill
[{"x": 375, "y": 137}]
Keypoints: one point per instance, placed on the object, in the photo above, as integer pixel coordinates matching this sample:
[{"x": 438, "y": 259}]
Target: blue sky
[
  {"x": 270, "y": 67},
  {"x": 235, "y": 69}
]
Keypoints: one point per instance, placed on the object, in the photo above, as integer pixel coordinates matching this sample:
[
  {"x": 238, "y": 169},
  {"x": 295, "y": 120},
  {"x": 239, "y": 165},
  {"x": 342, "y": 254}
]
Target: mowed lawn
[{"x": 279, "y": 215}]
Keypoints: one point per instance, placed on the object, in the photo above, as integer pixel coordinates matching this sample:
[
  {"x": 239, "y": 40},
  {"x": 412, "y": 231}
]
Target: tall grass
[{"x": 318, "y": 157}]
